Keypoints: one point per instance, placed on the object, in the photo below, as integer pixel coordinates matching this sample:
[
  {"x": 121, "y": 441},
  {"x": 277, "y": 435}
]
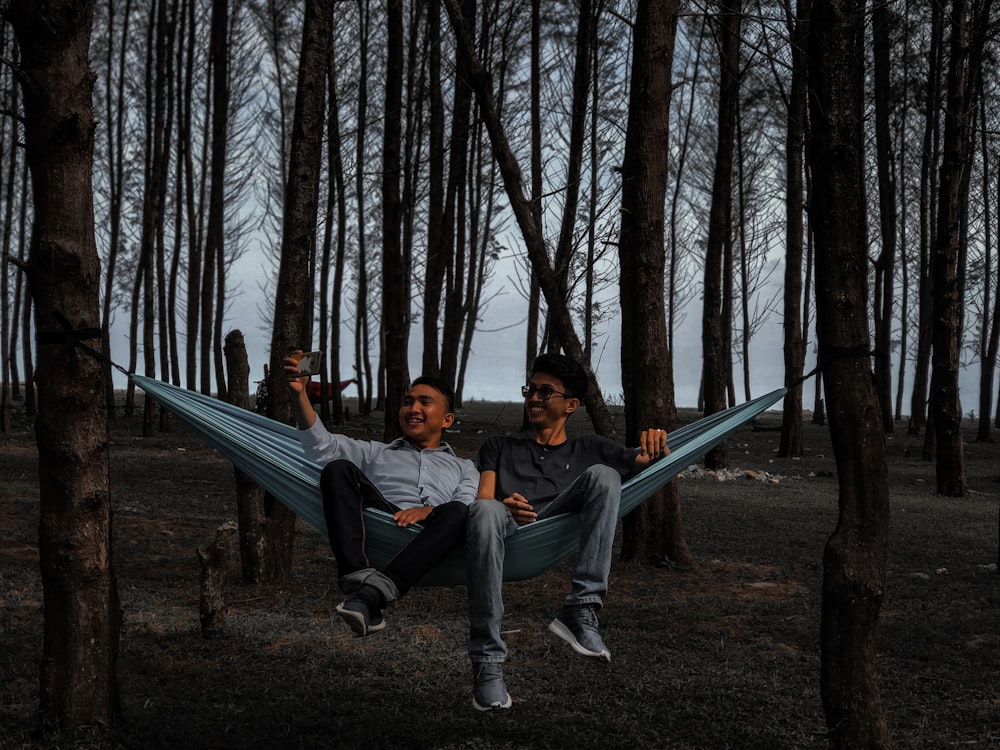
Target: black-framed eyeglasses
[{"x": 545, "y": 392}]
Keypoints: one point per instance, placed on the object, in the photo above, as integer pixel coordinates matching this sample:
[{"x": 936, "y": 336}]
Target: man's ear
[
  {"x": 449, "y": 420},
  {"x": 572, "y": 404}
]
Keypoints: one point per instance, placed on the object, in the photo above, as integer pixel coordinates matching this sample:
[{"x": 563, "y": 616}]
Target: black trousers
[{"x": 347, "y": 492}]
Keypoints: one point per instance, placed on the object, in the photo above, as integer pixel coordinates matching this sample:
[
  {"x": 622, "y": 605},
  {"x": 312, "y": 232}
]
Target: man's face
[
  {"x": 547, "y": 403},
  {"x": 424, "y": 416}
]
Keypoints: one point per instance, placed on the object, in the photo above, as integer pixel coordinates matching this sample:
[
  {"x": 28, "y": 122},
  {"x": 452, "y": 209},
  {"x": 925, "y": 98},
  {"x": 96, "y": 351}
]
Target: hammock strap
[{"x": 71, "y": 338}]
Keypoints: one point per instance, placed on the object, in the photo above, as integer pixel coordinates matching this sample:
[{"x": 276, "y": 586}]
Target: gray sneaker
[
  {"x": 488, "y": 688},
  {"x": 579, "y": 627},
  {"x": 362, "y": 611}
]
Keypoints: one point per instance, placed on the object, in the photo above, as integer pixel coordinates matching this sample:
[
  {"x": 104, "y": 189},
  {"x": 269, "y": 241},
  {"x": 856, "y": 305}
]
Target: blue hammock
[{"x": 269, "y": 452}]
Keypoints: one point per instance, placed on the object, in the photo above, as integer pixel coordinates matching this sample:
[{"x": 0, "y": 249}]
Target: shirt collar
[{"x": 401, "y": 443}]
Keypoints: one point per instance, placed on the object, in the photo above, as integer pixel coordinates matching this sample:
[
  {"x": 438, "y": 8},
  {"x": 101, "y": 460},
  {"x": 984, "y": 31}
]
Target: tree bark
[
  {"x": 395, "y": 287},
  {"x": 215, "y": 234},
  {"x": 192, "y": 307},
  {"x": 714, "y": 310},
  {"x": 792, "y": 442},
  {"x": 79, "y": 676},
  {"x": 115, "y": 132},
  {"x": 654, "y": 532},
  {"x": 945, "y": 404},
  {"x": 215, "y": 561},
  {"x": 293, "y": 307},
  {"x": 434, "y": 266},
  {"x": 574, "y": 156},
  {"x": 361, "y": 355},
  {"x": 537, "y": 186},
  {"x": 885, "y": 264},
  {"x": 249, "y": 494},
  {"x": 453, "y": 237},
  {"x": 929, "y": 155},
  {"x": 990, "y": 334},
  {"x": 336, "y": 169},
  {"x": 855, "y": 556}
]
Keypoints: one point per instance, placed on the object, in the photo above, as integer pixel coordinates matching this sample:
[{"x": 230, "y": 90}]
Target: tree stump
[
  {"x": 215, "y": 563},
  {"x": 249, "y": 494}
]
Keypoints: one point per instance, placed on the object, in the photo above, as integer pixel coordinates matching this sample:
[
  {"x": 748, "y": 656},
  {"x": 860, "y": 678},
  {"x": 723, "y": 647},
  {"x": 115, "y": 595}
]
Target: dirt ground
[{"x": 720, "y": 655}]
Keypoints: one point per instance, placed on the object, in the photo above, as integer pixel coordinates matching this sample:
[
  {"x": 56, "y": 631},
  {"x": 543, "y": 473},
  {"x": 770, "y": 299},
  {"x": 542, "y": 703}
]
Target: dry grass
[{"x": 724, "y": 655}]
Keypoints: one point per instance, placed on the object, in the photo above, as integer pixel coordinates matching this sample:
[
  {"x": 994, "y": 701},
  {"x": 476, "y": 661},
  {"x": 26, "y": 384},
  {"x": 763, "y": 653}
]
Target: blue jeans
[{"x": 595, "y": 495}]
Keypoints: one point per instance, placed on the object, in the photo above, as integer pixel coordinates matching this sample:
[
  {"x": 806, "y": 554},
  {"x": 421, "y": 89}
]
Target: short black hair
[
  {"x": 438, "y": 384},
  {"x": 567, "y": 369}
]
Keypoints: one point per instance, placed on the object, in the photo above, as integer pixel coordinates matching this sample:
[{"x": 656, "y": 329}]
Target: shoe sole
[
  {"x": 356, "y": 622},
  {"x": 494, "y": 706},
  {"x": 557, "y": 627}
]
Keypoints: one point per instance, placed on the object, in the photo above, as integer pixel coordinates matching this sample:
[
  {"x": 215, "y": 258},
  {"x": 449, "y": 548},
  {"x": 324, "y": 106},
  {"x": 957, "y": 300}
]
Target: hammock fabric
[{"x": 269, "y": 452}]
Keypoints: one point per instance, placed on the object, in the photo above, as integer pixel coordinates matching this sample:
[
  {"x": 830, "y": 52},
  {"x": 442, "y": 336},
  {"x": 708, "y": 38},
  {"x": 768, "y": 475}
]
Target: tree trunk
[
  {"x": 885, "y": 265},
  {"x": 395, "y": 284},
  {"x": 115, "y": 132},
  {"x": 990, "y": 335},
  {"x": 434, "y": 266},
  {"x": 654, "y": 531},
  {"x": 531, "y": 233},
  {"x": 537, "y": 186},
  {"x": 574, "y": 157},
  {"x": 946, "y": 407},
  {"x": 215, "y": 560},
  {"x": 531, "y": 340},
  {"x": 30, "y": 404},
  {"x": 215, "y": 234},
  {"x": 79, "y": 680},
  {"x": 293, "y": 307},
  {"x": 180, "y": 98},
  {"x": 192, "y": 307},
  {"x": 8, "y": 306},
  {"x": 336, "y": 169},
  {"x": 361, "y": 355},
  {"x": 929, "y": 155},
  {"x": 855, "y": 555},
  {"x": 453, "y": 242},
  {"x": 792, "y": 441},
  {"x": 903, "y": 246},
  {"x": 713, "y": 323},
  {"x": 249, "y": 494}
]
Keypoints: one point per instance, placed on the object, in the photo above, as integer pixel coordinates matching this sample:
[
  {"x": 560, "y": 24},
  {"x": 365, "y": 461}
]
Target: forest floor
[{"x": 721, "y": 654}]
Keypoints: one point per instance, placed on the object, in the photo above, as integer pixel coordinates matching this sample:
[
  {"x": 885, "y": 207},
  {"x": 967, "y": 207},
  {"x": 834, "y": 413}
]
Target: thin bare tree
[
  {"x": 886, "y": 163},
  {"x": 929, "y": 155},
  {"x": 395, "y": 279},
  {"x": 717, "y": 298},
  {"x": 334, "y": 253},
  {"x": 562, "y": 322},
  {"x": 792, "y": 440}
]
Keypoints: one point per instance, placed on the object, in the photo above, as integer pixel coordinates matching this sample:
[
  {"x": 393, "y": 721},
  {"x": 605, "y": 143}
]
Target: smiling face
[
  {"x": 424, "y": 416},
  {"x": 543, "y": 413}
]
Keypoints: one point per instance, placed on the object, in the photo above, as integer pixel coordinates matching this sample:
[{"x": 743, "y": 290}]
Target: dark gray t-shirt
[{"x": 540, "y": 472}]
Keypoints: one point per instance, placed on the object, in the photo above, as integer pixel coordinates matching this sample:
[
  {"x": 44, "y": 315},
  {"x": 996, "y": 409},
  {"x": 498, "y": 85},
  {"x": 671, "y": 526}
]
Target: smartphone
[{"x": 310, "y": 364}]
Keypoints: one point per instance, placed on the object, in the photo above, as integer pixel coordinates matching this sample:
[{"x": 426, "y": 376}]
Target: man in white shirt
[{"x": 417, "y": 478}]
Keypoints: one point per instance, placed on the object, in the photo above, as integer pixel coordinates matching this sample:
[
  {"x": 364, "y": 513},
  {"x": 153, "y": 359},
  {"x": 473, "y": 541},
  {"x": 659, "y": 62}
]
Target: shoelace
[
  {"x": 587, "y": 617},
  {"x": 487, "y": 672}
]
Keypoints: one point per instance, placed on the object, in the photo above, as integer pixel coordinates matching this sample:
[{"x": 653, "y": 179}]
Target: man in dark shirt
[{"x": 523, "y": 480}]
